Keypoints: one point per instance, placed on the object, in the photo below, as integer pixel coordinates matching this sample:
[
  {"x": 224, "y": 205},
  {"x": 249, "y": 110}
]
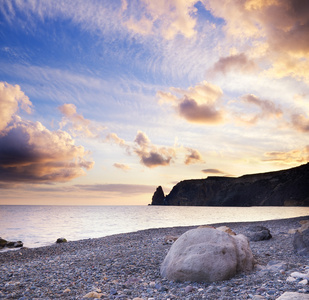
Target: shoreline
[{"x": 126, "y": 266}]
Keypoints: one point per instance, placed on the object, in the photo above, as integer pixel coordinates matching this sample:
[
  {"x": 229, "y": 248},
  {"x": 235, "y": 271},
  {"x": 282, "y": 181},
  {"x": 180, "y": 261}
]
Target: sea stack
[{"x": 158, "y": 197}]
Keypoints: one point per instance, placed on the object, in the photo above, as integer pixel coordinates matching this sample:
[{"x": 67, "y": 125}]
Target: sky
[{"x": 103, "y": 101}]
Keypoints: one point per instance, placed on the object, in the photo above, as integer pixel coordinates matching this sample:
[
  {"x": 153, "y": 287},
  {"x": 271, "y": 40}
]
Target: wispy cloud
[
  {"x": 213, "y": 172},
  {"x": 266, "y": 110},
  {"x": 125, "y": 189},
  {"x": 123, "y": 167},
  {"x": 77, "y": 124},
  {"x": 300, "y": 122},
  {"x": 288, "y": 157},
  {"x": 166, "y": 17}
]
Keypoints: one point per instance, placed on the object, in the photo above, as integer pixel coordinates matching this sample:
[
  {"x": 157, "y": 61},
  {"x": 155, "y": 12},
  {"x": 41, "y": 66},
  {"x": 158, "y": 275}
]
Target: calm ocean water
[{"x": 41, "y": 225}]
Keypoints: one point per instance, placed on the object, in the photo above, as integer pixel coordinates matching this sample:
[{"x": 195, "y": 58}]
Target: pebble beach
[{"x": 127, "y": 266}]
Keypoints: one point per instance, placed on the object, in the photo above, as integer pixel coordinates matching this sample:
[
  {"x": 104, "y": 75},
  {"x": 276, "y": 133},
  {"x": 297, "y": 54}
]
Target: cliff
[{"x": 281, "y": 188}]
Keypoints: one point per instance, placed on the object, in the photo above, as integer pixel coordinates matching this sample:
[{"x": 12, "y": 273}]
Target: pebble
[
  {"x": 303, "y": 282},
  {"x": 127, "y": 266},
  {"x": 188, "y": 289}
]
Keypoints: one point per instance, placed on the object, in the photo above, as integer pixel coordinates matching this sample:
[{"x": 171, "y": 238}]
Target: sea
[{"x": 38, "y": 226}]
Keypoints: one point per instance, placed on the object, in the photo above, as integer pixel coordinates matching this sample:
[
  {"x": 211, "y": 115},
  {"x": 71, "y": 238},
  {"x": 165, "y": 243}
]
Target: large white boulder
[
  {"x": 207, "y": 255},
  {"x": 293, "y": 296}
]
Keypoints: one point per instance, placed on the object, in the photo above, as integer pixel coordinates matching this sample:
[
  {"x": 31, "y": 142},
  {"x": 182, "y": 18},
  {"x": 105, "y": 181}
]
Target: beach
[{"x": 127, "y": 266}]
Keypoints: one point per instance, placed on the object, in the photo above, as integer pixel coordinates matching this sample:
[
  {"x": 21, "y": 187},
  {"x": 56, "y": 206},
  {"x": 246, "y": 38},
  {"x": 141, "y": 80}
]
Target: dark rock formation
[
  {"x": 6, "y": 244},
  {"x": 259, "y": 233},
  {"x": 3, "y": 243},
  {"x": 61, "y": 240},
  {"x": 281, "y": 188},
  {"x": 158, "y": 197}
]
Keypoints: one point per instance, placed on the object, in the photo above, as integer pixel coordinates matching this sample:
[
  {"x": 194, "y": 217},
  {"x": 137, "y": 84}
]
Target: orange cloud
[
  {"x": 300, "y": 122},
  {"x": 193, "y": 157},
  {"x": 11, "y": 98},
  {"x": 114, "y": 138},
  {"x": 121, "y": 166},
  {"x": 198, "y": 104},
  {"x": 168, "y": 17},
  {"x": 295, "y": 156},
  {"x": 31, "y": 153},
  {"x": 78, "y": 125},
  {"x": 282, "y": 25}
]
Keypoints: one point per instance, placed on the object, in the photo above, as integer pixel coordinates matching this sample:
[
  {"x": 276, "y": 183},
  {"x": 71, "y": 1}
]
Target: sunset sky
[{"x": 102, "y": 101}]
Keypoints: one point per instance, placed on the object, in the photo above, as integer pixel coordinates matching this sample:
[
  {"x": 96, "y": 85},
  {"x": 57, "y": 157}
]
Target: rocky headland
[
  {"x": 127, "y": 266},
  {"x": 281, "y": 188}
]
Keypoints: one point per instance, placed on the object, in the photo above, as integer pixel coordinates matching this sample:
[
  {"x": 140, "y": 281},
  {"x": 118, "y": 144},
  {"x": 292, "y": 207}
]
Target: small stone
[
  {"x": 271, "y": 291},
  {"x": 113, "y": 292},
  {"x": 67, "y": 290},
  {"x": 261, "y": 290},
  {"x": 152, "y": 284},
  {"x": 224, "y": 289},
  {"x": 93, "y": 295},
  {"x": 276, "y": 266},
  {"x": 170, "y": 239},
  {"x": 303, "y": 282},
  {"x": 291, "y": 279},
  {"x": 258, "y": 297},
  {"x": 189, "y": 289}
]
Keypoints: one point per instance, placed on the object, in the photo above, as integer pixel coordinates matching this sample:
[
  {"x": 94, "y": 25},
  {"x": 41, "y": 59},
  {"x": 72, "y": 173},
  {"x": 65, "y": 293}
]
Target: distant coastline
[{"x": 280, "y": 188}]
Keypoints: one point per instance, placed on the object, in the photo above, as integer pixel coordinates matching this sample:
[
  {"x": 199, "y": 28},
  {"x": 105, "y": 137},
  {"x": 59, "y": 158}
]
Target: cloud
[
  {"x": 193, "y": 112},
  {"x": 300, "y": 122},
  {"x": 193, "y": 157},
  {"x": 150, "y": 155},
  {"x": 238, "y": 62},
  {"x": 125, "y": 189},
  {"x": 31, "y": 153},
  {"x": 267, "y": 110},
  {"x": 198, "y": 104},
  {"x": 283, "y": 26},
  {"x": 114, "y": 138},
  {"x": 77, "y": 124},
  {"x": 213, "y": 171},
  {"x": 11, "y": 98},
  {"x": 121, "y": 166},
  {"x": 167, "y": 17},
  {"x": 295, "y": 156}
]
